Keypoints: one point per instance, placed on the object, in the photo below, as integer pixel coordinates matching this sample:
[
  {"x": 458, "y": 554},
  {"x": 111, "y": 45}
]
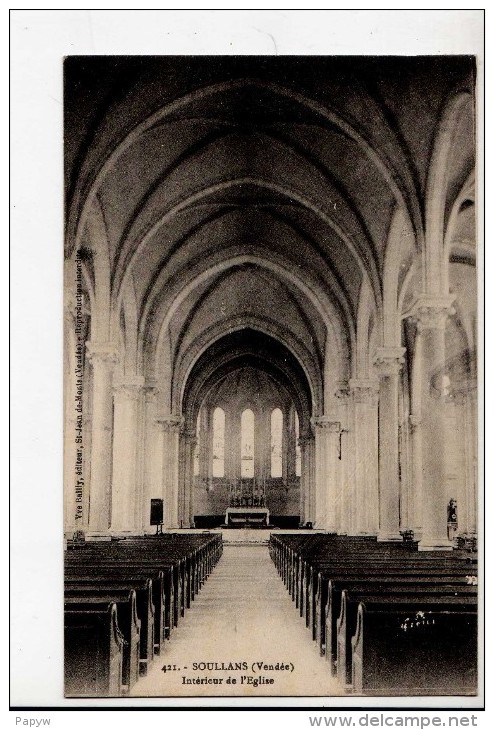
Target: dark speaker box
[{"x": 156, "y": 512}]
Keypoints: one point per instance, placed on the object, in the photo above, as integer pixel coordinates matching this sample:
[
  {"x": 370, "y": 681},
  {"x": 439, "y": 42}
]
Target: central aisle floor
[{"x": 242, "y": 618}]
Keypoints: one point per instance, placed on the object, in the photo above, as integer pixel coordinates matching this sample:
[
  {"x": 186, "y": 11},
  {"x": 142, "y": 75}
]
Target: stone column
[
  {"x": 152, "y": 458},
  {"x": 470, "y": 434},
  {"x": 73, "y": 441},
  {"x": 388, "y": 361},
  {"x": 431, "y": 314},
  {"x": 125, "y": 509},
  {"x": 327, "y": 437},
  {"x": 262, "y": 445},
  {"x": 235, "y": 432},
  {"x": 189, "y": 439},
  {"x": 170, "y": 426},
  {"x": 365, "y": 518},
  {"x": 289, "y": 444},
  {"x": 303, "y": 443},
  {"x": 345, "y": 462},
  {"x": 103, "y": 357},
  {"x": 415, "y": 505},
  {"x": 311, "y": 470}
]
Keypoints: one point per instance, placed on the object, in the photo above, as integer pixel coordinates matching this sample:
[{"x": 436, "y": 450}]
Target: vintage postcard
[
  {"x": 271, "y": 299},
  {"x": 270, "y": 374}
]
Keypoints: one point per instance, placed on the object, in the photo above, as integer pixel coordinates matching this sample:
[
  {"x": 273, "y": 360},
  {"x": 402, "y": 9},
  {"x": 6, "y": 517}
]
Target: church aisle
[{"x": 242, "y": 617}]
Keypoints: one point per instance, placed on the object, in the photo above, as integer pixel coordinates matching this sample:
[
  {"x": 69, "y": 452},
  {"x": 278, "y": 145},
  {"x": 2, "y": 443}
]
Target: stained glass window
[
  {"x": 197, "y": 448},
  {"x": 247, "y": 444},
  {"x": 276, "y": 443},
  {"x": 298, "y": 450},
  {"x": 218, "y": 442}
]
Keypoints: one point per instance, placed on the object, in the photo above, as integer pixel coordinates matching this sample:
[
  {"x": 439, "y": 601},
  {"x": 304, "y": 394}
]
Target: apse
[{"x": 249, "y": 400}]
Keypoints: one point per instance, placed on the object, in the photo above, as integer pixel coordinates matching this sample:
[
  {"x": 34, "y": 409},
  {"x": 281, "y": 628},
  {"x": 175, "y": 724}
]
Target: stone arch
[
  {"x": 159, "y": 364},
  {"x": 400, "y": 230},
  {"x": 99, "y": 247},
  {"x": 337, "y": 314},
  {"x": 467, "y": 192},
  {"x": 124, "y": 268},
  {"x": 127, "y": 310},
  {"x": 237, "y": 349},
  {"x": 242, "y": 322},
  {"x": 366, "y": 321},
  {"x": 435, "y": 279},
  {"x": 79, "y": 209}
]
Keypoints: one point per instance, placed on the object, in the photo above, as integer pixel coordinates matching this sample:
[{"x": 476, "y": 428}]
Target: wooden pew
[
  {"x": 405, "y": 603},
  {"x": 163, "y": 598},
  {"x": 163, "y": 575},
  {"x": 117, "y": 565},
  {"x": 88, "y": 587},
  {"x": 308, "y": 554},
  {"x": 128, "y": 623},
  {"x": 328, "y": 599},
  {"x": 323, "y": 548},
  {"x": 394, "y": 562},
  {"x": 402, "y": 562},
  {"x": 191, "y": 556},
  {"x": 330, "y": 589},
  {"x": 397, "y": 650},
  {"x": 93, "y": 650},
  {"x": 185, "y": 562}
]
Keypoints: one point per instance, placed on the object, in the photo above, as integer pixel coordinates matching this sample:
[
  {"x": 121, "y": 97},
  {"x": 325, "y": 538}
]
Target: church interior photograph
[{"x": 270, "y": 376}]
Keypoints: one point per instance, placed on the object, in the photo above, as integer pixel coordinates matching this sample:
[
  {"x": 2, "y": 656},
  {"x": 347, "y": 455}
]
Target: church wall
[{"x": 293, "y": 212}]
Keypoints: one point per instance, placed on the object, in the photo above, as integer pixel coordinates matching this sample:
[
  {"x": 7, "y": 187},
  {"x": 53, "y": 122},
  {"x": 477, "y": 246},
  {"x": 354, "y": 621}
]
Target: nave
[
  {"x": 243, "y": 614},
  {"x": 271, "y": 321}
]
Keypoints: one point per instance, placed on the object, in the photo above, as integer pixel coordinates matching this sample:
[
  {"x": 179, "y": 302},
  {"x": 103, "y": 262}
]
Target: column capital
[
  {"x": 432, "y": 311},
  {"x": 342, "y": 391},
  {"x": 170, "y": 424},
  {"x": 365, "y": 391},
  {"x": 388, "y": 360},
  {"x": 129, "y": 388},
  {"x": 150, "y": 389},
  {"x": 104, "y": 353},
  {"x": 326, "y": 423}
]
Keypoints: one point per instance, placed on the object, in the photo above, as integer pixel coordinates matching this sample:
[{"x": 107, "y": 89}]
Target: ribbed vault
[
  {"x": 299, "y": 223},
  {"x": 247, "y": 349}
]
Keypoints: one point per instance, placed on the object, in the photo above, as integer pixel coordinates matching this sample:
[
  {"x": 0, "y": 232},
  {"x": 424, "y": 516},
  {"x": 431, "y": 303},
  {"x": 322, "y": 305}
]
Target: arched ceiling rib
[
  {"x": 247, "y": 348},
  {"x": 268, "y": 157},
  {"x": 256, "y": 387},
  {"x": 252, "y": 101},
  {"x": 339, "y": 241},
  {"x": 246, "y": 152},
  {"x": 253, "y": 293},
  {"x": 310, "y": 292},
  {"x": 293, "y": 165},
  {"x": 291, "y": 235}
]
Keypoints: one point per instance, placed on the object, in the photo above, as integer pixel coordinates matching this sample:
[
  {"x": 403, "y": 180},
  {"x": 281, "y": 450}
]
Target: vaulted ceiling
[{"x": 248, "y": 190}]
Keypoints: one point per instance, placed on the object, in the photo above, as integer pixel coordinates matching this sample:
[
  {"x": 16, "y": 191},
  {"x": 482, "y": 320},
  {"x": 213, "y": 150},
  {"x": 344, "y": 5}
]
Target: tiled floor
[{"x": 242, "y": 618}]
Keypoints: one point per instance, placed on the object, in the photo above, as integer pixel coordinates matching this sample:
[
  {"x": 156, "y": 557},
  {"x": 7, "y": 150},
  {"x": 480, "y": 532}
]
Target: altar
[{"x": 247, "y": 517}]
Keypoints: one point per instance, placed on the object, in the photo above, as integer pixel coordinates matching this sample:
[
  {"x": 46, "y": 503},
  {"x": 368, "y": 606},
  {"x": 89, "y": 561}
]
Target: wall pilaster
[
  {"x": 125, "y": 499},
  {"x": 103, "y": 358},
  {"x": 388, "y": 362}
]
